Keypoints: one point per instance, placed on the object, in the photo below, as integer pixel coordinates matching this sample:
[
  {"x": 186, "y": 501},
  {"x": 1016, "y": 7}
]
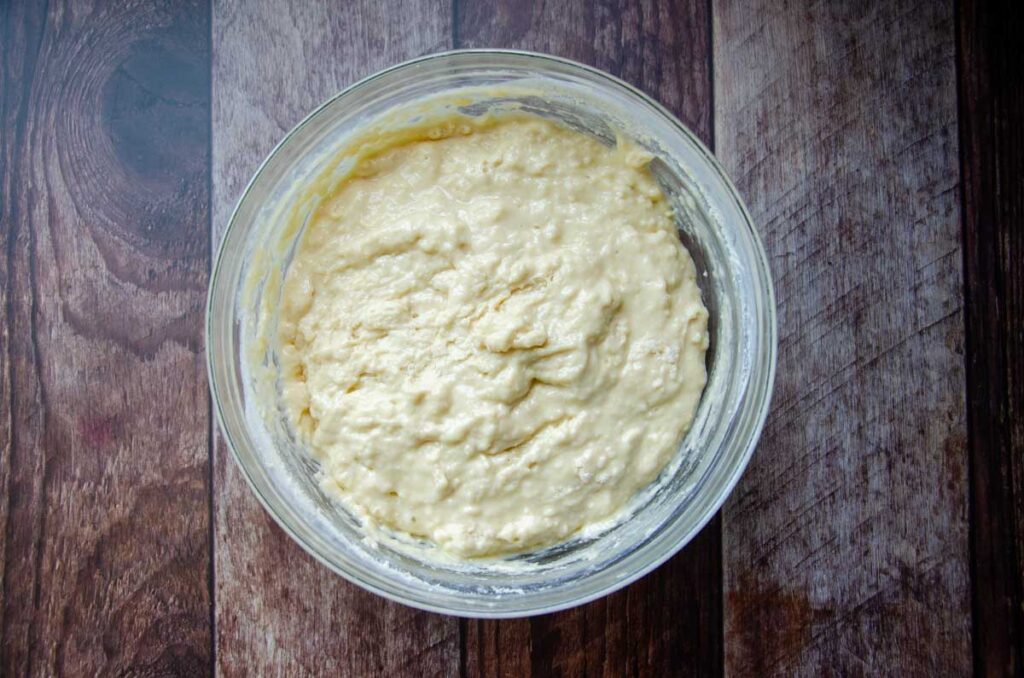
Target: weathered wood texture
[
  {"x": 846, "y": 542},
  {"x": 845, "y": 545},
  {"x": 279, "y": 612},
  {"x": 992, "y": 155},
  {"x": 105, "y": 557},
  {"x": 669, "y": 623}
]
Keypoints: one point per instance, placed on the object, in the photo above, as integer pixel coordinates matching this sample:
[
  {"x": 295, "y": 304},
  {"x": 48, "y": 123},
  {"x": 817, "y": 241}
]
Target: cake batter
[{"x": 491, "y": 335}]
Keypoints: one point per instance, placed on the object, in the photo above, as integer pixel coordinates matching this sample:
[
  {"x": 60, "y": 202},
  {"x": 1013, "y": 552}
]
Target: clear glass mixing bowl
[{"x": 713, "y": 224}]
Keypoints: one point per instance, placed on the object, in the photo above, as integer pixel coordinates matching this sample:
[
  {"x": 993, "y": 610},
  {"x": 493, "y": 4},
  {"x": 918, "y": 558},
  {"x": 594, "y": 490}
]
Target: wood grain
[
  {"x": 846, "y": 546},
  {"x": 992, "y": 151},
  {"x": 669, "y": 623},
  {"x": 279, "y": 612},
  {"x": 846, "y": 542},
  {"x": 104, "y": 420}
]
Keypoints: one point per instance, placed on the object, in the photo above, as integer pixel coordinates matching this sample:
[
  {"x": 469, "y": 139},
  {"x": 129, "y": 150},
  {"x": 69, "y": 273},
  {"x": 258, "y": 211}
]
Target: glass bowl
[{"x": 732, "y": 272}]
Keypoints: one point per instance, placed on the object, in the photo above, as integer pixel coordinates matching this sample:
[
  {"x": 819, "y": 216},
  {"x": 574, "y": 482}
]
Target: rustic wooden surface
[
  {"x": 104, "y": 422},
  {"x": 846, "y": 542},
  {"x": 992, "y": 161},
  {"x": 880, "y": 527}
]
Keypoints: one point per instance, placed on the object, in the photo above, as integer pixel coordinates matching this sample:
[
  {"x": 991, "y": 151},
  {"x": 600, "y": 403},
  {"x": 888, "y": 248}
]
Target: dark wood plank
[
  {"x": 846, "y": 542},
  {"x": 669, "y": 623},
  {"x": 104, "y": 423},
  {"x": 992, "y": 152},
  {"x": 278, "y": 611}
]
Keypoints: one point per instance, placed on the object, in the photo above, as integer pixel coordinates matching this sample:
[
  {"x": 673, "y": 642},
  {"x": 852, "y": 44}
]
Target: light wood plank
[
  {"x": 104, "y": 159},
  {"x": 846, "y": 543},
  {"x": 278, "y": 611}
]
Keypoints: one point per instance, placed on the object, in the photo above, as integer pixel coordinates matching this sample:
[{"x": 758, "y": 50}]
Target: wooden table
[{"x": 879, "y": 527}]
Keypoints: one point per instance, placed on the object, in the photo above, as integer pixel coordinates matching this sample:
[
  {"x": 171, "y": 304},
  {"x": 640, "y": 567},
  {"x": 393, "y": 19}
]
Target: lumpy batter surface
[{"x": 491, "y": 335}]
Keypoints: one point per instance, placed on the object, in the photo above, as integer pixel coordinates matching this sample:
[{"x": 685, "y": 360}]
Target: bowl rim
[{"x": 766, "y": 383}]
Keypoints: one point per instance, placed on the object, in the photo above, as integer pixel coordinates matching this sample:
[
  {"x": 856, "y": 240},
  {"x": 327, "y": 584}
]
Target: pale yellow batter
[{"x": 491, "y": 334}]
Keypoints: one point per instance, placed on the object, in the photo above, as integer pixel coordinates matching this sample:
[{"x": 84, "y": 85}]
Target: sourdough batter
[{"x": 491, "y": 335}]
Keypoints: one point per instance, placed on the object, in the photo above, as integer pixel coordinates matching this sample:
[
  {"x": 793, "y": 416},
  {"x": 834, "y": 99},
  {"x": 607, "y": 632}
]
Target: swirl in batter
[{"x": 491, "y": 334}]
